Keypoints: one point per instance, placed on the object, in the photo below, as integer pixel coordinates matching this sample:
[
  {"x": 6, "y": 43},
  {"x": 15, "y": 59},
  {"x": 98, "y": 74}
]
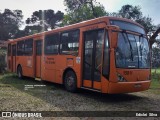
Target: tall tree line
[{"x": 76, "y": 11}]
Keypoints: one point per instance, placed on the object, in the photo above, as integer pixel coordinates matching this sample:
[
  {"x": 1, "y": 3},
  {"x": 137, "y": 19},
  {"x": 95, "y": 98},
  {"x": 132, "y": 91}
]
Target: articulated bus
[{"x": 106, "y": 54}]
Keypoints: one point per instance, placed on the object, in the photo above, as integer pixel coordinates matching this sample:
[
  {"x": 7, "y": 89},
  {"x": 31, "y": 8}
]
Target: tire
[
  {"x": 70, "y": 81},
  {"x": 19, "y": 72}
]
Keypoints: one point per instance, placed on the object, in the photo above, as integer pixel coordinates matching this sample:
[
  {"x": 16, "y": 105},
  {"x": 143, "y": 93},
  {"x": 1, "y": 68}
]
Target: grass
[
  {"x": 27, "y": 84},
  {"x": 14, "y": 97},
  {"x": 26, "y": 94},
  {"x": 155, "y": 84}
]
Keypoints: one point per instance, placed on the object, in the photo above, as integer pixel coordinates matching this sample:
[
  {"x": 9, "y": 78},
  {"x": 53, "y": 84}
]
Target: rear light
[{"x": 120, "y": 78}]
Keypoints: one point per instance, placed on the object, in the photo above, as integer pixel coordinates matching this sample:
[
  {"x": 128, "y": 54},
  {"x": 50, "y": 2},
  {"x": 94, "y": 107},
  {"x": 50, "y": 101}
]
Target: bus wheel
[
  {"x": 19, "y": 72},
  {"x": 70, "y": 81}
]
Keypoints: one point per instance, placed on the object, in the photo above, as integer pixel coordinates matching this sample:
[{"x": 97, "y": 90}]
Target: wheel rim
[
  {"x": 19, "y": 73},
  {"x": 70, "y": 81}
]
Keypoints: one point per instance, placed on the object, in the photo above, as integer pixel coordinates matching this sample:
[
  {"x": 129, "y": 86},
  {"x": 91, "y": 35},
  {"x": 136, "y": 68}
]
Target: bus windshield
[
  {"x": 132, "y": 51},
  {"x": 128, "y": 26}
]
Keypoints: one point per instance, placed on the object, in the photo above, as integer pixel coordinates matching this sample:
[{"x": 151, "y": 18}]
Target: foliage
[
  {"x": 130, "y": 12},
  {"x": 29, "y": 30},
  {"x": 46, "y": 19},
  {"x": 155, "y": 84},
  {"x": 10, "y": 21},
  {"x": 73, "y": 5},
  {"x": 80, "y": 10},
  {"x": 155, "y": 57},
  {"x": 154, "y": 36},
  {"x": 134, "y": 13},
  {"x": 77, "y": 11},
  {"x": 2, "y": 60},
  {"x": 155, "y": 78},
  {"x": 146, "y": 22}
]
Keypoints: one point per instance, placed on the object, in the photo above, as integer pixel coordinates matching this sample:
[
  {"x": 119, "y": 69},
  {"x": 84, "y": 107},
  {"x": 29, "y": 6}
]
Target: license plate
[{"x": 137, "y": 85}]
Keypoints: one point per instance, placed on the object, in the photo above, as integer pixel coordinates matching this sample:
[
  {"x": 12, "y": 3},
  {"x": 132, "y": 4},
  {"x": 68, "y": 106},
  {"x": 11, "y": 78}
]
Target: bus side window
[
  {"x": 106, "y": 58},
  {"x": 39, "y": 47},
  {"x": 20, "y": 48},
  {"x": 70, "y": 42},
  {"x": 14, "y": 50},
  {"x": 9, "y": 49},
  {"x": 28, "y": 47},
  {"x": 51, "y": 44}
]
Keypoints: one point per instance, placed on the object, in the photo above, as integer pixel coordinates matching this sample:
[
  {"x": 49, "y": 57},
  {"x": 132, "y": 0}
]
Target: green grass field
[
  {"x": 155, "y": 84},
  {"x": 11, "y": 80}
]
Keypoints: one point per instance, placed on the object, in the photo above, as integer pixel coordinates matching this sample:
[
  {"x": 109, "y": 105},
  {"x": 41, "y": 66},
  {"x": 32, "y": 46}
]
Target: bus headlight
[{"x": 120, "y": 78}]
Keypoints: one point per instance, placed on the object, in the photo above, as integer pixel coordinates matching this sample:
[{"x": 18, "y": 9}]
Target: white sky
[{"x": 150, "y": 8}]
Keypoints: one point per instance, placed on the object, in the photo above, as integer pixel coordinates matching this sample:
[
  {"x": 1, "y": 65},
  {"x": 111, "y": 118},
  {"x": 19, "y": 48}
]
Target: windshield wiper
[
  {"x": 131, "y": 49},
  {"x": 140, "y": 47}
]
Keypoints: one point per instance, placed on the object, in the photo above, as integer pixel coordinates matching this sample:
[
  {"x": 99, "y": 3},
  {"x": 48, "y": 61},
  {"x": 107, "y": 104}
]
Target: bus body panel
[
  {"x": 13, "y": 57},
  {"x": 38, "y": 66},
  {"x": 127, "y": 87},
  {"x": 9, "y": 64},
  {"x": 133, "y": 75},
  {"x": 27, "y": 64},
  {"x": 104, "y": 85},
  {"x": 49, "y": 68}
]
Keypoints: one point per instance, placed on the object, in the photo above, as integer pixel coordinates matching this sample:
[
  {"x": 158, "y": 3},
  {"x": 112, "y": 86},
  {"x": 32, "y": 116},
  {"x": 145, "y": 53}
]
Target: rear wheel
[
  {"x": 19, "y": 72},
  {"x": 70, "y": 81}
]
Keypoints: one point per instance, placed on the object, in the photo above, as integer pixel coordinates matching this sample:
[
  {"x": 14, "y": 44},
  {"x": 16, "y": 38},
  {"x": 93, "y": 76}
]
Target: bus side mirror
[{"x": 113, "y": 30}]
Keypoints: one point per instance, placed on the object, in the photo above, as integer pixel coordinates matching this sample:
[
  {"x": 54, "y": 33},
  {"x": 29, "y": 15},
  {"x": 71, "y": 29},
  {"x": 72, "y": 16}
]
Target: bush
[{"x": 3, "y": 63}]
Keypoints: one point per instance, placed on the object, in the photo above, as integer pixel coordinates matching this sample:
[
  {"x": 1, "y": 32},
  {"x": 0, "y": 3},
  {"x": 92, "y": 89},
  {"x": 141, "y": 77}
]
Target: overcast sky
[{"x": 148, "y": 7}]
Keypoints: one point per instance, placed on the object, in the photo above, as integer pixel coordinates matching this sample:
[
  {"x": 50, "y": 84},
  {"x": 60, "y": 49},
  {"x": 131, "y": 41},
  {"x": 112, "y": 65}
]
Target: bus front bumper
[{"x": 127, "y": 87}]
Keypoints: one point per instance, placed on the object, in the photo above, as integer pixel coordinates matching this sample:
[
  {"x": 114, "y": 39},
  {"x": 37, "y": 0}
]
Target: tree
[
  {"x": 28, "y": 30},
  {"x": 47, "y": 19},
  {"x": 2, "y": 60},
  {"x": 156, "y": 56},
  {"x": 134, "y": 13},
  {"x": 10, "y": 21},
  {"x": 73, "y": 5},
  {"x": 131, "y": 12},
  {"x": 80, "y": 10},
  {"x": 153, "y": 37},
  {"x": 146, "y": 22}
]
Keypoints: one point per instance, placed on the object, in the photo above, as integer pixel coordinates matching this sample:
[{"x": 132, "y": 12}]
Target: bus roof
[{"x": 74, "y": 26}]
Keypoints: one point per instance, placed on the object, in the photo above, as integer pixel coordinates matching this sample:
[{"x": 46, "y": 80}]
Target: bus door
[
  {"x": 38, "y": 57},
  {"x": 13, "y": 58},
  {"x": 92, "y": 59}
]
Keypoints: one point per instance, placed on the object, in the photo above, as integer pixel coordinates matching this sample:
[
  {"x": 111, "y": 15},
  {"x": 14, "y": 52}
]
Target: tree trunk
[
  {"x": 153, "y": 37},
  {"x": 94, "y": 13}
]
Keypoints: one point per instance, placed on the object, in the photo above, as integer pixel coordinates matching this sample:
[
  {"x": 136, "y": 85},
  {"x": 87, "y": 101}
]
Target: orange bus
[{"x": 106, "y": 54}]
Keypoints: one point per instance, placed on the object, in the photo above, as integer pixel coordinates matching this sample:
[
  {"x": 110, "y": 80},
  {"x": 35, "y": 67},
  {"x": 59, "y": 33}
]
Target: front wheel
[
  {"x": 70, "y": 81},
  {"x": 19, "y": 72}
]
